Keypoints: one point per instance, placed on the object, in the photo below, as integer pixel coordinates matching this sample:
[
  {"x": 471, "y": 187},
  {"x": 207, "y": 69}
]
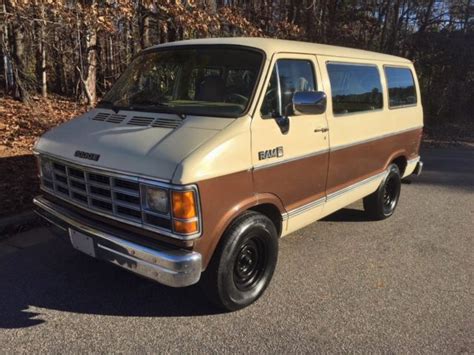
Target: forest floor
[{"x": 21, "y": 124}]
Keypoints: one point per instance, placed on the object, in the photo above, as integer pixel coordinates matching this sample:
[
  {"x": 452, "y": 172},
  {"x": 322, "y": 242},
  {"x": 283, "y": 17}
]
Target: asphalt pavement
[{"x": 343, "y": 284}]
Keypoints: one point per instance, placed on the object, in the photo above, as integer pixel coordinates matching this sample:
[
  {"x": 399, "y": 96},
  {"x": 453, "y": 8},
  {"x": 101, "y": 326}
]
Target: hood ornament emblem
[{"x": 86, "y": 155}]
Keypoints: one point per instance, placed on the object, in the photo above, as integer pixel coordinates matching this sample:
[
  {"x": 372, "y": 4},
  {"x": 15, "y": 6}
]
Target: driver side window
[{"x": 288, "y": 76}]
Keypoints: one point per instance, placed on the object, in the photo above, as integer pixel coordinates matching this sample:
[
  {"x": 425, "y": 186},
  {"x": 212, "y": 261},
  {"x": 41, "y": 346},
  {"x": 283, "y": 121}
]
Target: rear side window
[
  {"x": 401, "y": 87},
  {"x": 354, "y": 88}
]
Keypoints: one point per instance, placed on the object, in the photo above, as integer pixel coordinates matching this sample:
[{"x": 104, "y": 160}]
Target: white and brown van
[{"x": 205, "y": 152}]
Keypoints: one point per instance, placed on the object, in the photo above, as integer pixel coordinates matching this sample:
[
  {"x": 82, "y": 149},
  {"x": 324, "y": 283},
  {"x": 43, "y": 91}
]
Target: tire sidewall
[
  {"x": 393, "y": 173},
  {"x": 256, "y": 225}
]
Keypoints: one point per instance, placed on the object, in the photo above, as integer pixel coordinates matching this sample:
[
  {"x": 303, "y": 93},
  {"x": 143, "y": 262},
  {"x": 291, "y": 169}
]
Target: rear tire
[
  {"x": 382, "y": 203},
  {"x": 243, "y": 264}
]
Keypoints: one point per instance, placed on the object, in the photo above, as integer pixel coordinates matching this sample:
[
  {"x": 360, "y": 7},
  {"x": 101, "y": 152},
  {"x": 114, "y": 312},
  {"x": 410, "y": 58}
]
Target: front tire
[
  {"x": 382, "y": 203},
  {"x": 244, "y": 262}
]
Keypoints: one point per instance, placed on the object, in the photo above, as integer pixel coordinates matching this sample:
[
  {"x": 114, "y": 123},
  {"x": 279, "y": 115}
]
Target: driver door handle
[{"x": 322, "y": 130}]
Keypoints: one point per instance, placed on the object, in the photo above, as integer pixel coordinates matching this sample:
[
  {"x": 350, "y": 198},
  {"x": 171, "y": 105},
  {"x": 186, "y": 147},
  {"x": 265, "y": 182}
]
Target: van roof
[{"x": 271, "y": 46}]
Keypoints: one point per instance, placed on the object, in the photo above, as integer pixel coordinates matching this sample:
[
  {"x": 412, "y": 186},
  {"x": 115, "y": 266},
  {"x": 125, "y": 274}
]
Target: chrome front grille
[
  {"x": 104, "y": 193},
  {"x": 110, "y": 194},
  {"x": 118, "y": 196}
]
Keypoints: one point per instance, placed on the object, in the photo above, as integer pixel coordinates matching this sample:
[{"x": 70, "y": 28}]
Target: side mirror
[
  {"x": 309, "y": 102},
  {"x": 284, "y": 123}
]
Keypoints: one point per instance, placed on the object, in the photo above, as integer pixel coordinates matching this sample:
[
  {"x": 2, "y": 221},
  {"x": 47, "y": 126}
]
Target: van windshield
[{"x": 196, "y": 81}]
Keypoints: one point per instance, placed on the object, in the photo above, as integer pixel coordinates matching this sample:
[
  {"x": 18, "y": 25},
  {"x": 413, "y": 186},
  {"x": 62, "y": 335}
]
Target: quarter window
[
  {"x": 354, "y": 88},
  {"x": 401, "y": 86},
  {"x": 288, "y": 76}
]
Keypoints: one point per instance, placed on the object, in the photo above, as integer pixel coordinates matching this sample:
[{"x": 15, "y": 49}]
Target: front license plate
[{"x": 82, "y": 242}]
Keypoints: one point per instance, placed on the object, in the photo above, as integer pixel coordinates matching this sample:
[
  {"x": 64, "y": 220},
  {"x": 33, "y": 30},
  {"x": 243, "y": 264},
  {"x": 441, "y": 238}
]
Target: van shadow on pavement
[
  {"x": 347, "y": 215},
  {"x": 54, "y": 276}
]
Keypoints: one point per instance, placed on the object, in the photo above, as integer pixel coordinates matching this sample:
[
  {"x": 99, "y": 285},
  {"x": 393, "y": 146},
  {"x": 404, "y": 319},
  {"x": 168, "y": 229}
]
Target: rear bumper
[
  {"x": 418, "y": 168},
  {"x": 171, "y": 267},
  {"x": 413, "y": 167}
]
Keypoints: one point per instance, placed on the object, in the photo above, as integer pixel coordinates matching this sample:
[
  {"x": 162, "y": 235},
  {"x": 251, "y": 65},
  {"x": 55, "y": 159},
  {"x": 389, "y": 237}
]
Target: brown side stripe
[{"x": 296, "y": 185}]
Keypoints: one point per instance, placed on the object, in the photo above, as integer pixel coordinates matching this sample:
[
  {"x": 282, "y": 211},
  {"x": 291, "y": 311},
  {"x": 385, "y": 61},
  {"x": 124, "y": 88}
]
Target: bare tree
[{"x": 82, "y": 46}]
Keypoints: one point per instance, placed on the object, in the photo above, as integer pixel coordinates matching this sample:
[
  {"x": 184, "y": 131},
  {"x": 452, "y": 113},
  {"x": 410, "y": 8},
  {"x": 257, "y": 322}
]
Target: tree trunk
[
  {"x": 467, "y": 16},
  {"x": 42, "y": 39},
  {"x": 385, "y": 15},
  {"x": 5, "y": 51},
  {"x": 394, "y": 27},
  {"x": 111, "y": 57},
  {"x": 211, "y": 6},
  {"x": 145, "y": 30},
  {"x": 91, "y": 78},
  {"x": 20, "y": 91},
  {"x": 127, "y": 36}
]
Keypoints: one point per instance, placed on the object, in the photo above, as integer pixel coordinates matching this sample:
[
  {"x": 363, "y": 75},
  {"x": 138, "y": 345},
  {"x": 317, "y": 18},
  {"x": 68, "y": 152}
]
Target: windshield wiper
[
  {"x": 111, "y": 105},
  {"x": 141, "y": 106},
  {"x": 105, "y": 103},
  {"x": 144, "y": 105},
  {"x": 144, "y": 101}
]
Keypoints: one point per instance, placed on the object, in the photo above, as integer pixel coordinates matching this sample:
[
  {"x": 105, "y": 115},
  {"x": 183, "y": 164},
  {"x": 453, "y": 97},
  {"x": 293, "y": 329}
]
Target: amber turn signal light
[
  {"x": 185, "y": 227},
  {"x": 184, "y": 204}
]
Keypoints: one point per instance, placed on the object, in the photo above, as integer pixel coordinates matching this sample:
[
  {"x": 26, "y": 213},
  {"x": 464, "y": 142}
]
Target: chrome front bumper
[{"x": 173, "y": 267}]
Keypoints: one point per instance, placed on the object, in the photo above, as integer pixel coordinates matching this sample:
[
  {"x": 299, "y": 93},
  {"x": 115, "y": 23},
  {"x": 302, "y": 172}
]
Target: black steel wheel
[
  {"x": 390, "y": 194},
  {"x": 243, "y": 263},
  {"x": 249, "y": 264},
  {"x": 382, "y": 203}
]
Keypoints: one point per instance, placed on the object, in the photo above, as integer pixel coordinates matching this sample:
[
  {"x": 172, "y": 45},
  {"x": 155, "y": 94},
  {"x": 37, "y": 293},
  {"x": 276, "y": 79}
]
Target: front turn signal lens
[
  {"x": 185, "y": 227},
  {"x": 184, "y": 204}
]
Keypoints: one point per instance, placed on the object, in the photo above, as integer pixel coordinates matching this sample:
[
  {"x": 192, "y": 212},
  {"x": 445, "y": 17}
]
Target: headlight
[
  {"x": 46, "y": 168},
  {"x": 179, "y": 207},
  {"x": 156, "y": 199}
]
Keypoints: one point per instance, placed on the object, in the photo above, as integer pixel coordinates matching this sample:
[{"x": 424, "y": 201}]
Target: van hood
[{"x": 139, "y": 143}]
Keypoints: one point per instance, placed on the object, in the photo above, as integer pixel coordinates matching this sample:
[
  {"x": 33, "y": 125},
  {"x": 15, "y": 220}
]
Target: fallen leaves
[{"x": 21, "y": 124}]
